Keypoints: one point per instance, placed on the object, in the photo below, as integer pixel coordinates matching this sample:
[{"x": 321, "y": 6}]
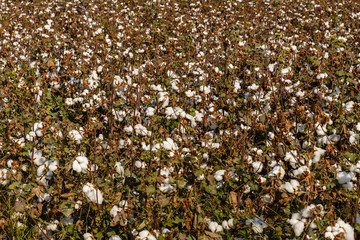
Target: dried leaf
[
  {"x": 213, "y": 235},
  {"x": 233, "y": 199},
  {"x": 3, "y": 223},
  {"x": 38, "y": 190},
  {"x": 19, "y": 206},
  {"x": 119, "y": 219}
]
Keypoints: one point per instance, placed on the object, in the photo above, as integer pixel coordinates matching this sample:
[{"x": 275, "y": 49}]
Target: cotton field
[{"x": 169, "y": 119}]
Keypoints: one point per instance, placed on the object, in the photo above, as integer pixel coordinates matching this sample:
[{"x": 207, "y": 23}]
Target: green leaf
[
  {"x": 150, "y": 190},
  {"x": 99, "y": 235},
  {"x": 67, "y": 208},
  {"x": 13, "y": 185}
]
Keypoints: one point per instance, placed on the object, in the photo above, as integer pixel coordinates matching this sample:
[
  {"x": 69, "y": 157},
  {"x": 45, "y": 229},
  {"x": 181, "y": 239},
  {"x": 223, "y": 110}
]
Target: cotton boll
[
  {"x": 213, "y": 226},
  {"x": 257, "y": 167},
  {"x": 114, "y": 211},
  {"x": 115, "y": 237},
  {"x": 80, "y": 164},
  {"x": 52, "y": 165},
  {"x": 344, "y": 177},
  {"x": 119, "y": 169},
  {"x": 287, "y": 187},
  {"x": 298, "y": 228},
  {"x": 3, "y": 176},
  {"x": 317, "y": 154},
  {"x": 295, "y": 184},
  {"x": 166, "y": 188},
  {"x": 92, "y": 194},
  {"x": 349, "y": 186},
  {"x": 140, "y": 164},
  {"x": 300, "y": 171},
  {"x": 231, "y": 223},
  {"x": 219, "y": 228},
  {"x": 52, "y": 226},
  {"x": 257, "y": 223},
  {"x": 225, "y": 225},
  {"x": 88, "y": 236},
  {"x": 76, "y": 166},
  {"x": 40, "y": 170},
  {"x": 144, "y": 234},
  {"x": 150, "y": 111},
  {"x": 348, "y": 230},
  {"x": 277, "y": 171},
  {"x": 219, "y": 175},
  {"x": 76, "y": 136}
]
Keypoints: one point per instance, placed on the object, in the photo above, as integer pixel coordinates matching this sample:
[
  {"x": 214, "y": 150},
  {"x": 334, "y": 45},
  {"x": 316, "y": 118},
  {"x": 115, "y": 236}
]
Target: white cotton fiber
[
  {"x": 92, "y": 194},
  {"x": 80, "y": 164},
  {"x": 277, "y": 171},
  {"x": 219, "y": 175},
  {"x": 317, "y": 154},
  {"x": 299, "y": 228}
]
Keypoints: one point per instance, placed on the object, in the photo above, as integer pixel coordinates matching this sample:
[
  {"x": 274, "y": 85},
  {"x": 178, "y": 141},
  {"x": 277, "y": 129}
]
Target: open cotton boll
[
  {"x": 3, "y": 176},
  {"x": 285, "y": 71},
  {"x": 169, "y": 144},
  {"x": 52, "y": 226},
  {"x": 257, "y": 167},
  {"x": 317, "y": 154},
  {"x": 150, "y": 111},
  {"x": 140, "y": 130},
  {"x": 115, "y": 237},
  {"x": 119, "y": 115},
  {"x": 38, "y": 159},
  {"x": 357, "y": 127},
  {"x": 300, "y": 171},
  {"x": 88, "y": 236},
  {"x": 80, "y": 164},
  {"x": 145, "y": 235},
  {"x": 348, "y": 106},
  {"x": 119, "y": 169},
  {"x": 291, "y": 186},
  {"x": 219, "y": 175},
  {"x": 92, "y": 194},
  {"x": 277, "y": 171},
  {"x": 340, "y": 227},
  {"x": 52, "y": 164},
  {"x": 76, "y": 136},
  {"x": 353, "y": 138},
  {"x": 40, "y": 170},
  {"x": 344, "y": 177},
  {"x": 213, "y": 226}
]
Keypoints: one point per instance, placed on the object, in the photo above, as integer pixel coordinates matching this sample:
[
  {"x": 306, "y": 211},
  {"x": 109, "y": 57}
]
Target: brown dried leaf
[
  {"x": 3, "y": 223},
  {"x": 19, "y": 206},
  {"x": 233, "y": 199},
  {"x": 213, "y": 235},
  {"x": 38, "y": 190},
  {"x": 119, "y": 219}
]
